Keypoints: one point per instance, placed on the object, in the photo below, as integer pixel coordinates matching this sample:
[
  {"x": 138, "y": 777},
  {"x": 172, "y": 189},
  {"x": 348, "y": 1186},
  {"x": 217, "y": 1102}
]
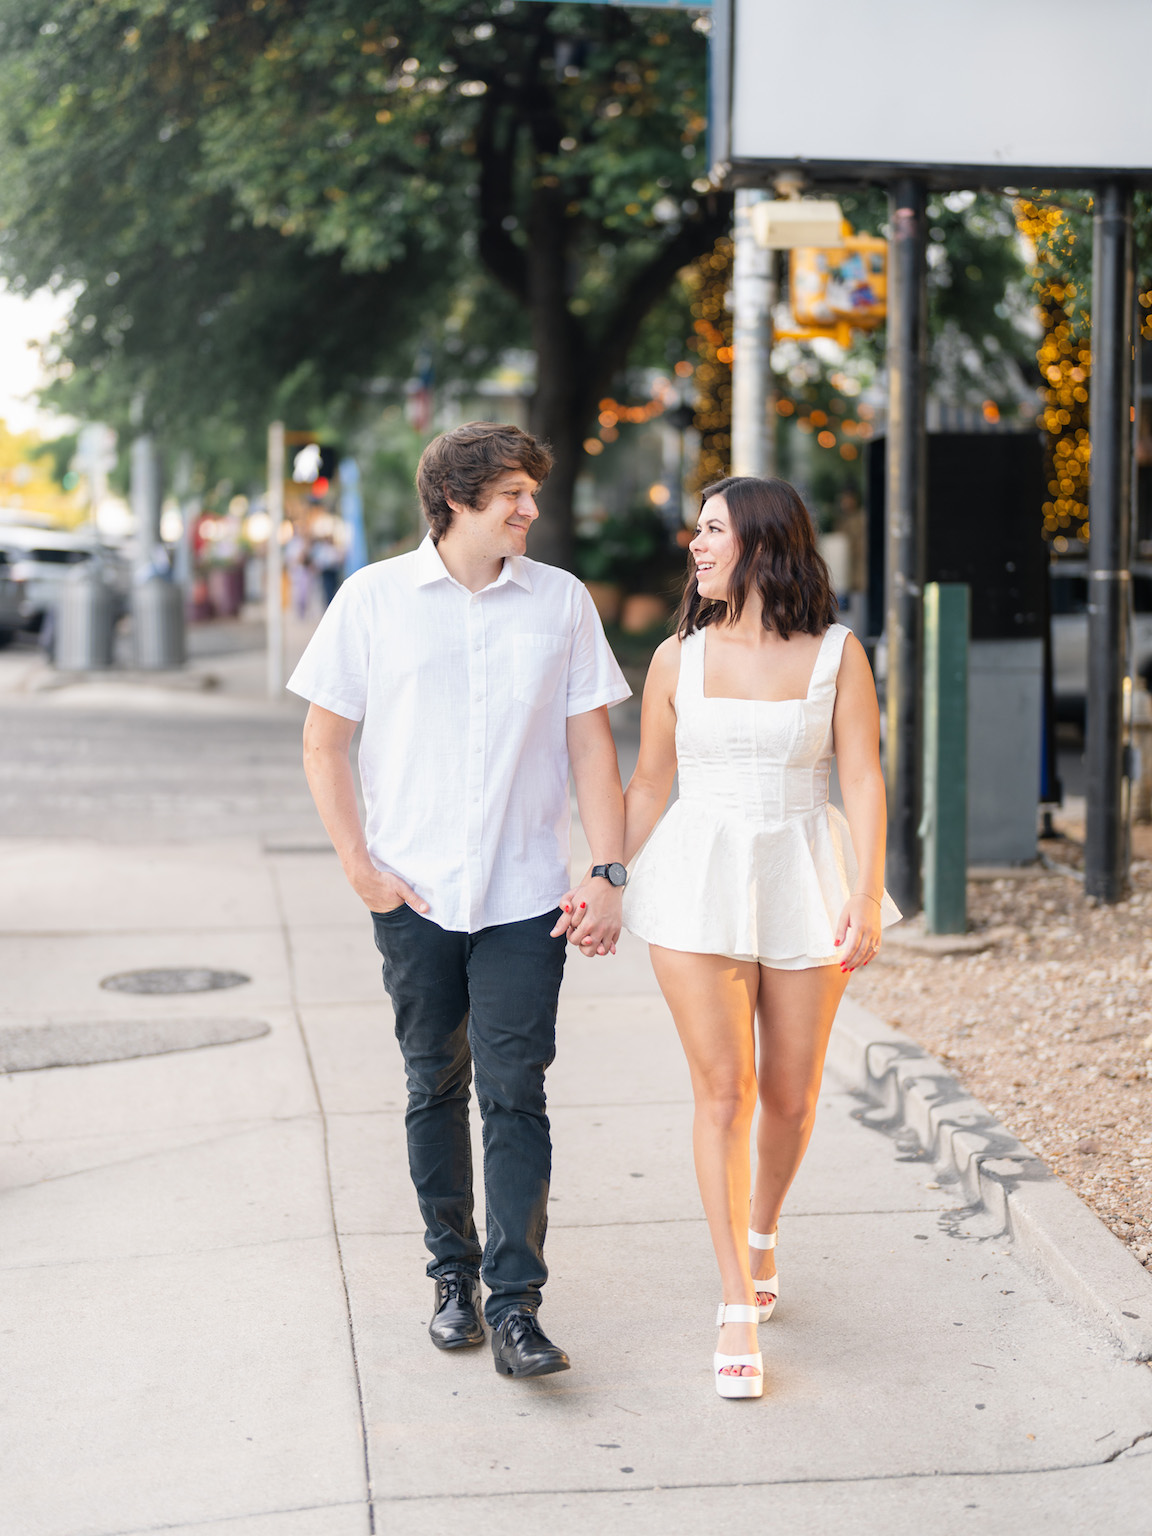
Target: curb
[{"x": 1051, "y": 1227}]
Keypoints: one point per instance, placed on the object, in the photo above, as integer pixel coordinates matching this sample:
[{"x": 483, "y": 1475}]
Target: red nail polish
[{"x": 583, "y": 904}]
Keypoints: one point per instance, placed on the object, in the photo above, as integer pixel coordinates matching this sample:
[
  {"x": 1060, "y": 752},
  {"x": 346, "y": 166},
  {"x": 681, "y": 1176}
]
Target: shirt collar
[{"x": 430, "y": 568}]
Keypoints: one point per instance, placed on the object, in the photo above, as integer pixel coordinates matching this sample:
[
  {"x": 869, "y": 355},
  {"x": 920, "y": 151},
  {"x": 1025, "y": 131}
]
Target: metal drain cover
[{"x": 186, "y": 979}]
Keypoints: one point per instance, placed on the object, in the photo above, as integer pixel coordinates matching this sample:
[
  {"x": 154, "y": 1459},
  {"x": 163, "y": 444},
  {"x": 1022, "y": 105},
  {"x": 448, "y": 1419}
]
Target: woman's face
[{"x": 715, "y": 550}]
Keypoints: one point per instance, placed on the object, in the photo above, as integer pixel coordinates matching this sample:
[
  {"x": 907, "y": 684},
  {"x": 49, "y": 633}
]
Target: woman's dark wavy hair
[{"x": 778, "y": 556}]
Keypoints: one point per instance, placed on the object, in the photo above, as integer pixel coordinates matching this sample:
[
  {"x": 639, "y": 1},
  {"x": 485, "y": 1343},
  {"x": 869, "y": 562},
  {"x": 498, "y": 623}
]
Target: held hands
[
  {"x": 590, "y": 916},
  {"x": 858, "y": 931}
]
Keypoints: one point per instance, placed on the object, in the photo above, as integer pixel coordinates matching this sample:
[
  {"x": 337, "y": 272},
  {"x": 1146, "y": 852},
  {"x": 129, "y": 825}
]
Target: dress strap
[
  {"x": 690, "y": 683},
  {"x": 823, "y": 682}
]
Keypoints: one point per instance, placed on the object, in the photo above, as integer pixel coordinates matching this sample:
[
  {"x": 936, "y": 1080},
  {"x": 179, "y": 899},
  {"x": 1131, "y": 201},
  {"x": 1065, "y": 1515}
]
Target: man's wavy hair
[
  {"x": 777, "y": 556},
  {"x": 464, "y": 463}
]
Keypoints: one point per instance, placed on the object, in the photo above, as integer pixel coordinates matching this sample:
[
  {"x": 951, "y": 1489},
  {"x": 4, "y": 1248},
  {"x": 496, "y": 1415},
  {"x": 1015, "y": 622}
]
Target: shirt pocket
[{"x": 538, "y": 664}]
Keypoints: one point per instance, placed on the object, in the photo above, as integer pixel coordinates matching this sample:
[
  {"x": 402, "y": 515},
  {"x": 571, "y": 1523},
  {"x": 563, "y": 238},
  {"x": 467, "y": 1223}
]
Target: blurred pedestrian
[
  {"x": 481, "y": 676},
  {"x": 298, "y": 562},
  {"x": 327, "y": 562},
  {"x": 756, "y": 897}
]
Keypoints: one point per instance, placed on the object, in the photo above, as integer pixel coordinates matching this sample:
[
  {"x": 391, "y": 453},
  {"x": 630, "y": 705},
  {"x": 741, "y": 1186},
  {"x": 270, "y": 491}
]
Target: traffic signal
[{"x": 314, "y": 465}]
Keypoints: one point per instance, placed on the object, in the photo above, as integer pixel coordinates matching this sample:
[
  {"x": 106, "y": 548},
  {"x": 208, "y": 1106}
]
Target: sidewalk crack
[{"x": 337, "y": 1236}]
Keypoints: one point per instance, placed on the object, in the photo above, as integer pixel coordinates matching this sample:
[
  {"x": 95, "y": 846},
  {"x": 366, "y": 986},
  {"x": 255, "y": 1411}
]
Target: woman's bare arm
[
  {"x": 651, "y": 784},
  {"x": 856, "y": 735}
]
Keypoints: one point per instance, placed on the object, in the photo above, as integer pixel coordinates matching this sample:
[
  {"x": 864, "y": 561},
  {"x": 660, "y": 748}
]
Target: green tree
[
  {"x": 189, "y": 320},
  {"x": 421, "y": 150}
]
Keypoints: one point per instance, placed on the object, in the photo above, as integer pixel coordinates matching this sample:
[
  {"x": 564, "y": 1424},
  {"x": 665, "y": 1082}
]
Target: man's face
[{"x": 500, "y": 528}]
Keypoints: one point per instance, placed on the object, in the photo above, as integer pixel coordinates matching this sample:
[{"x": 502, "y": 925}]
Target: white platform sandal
[
  {"x": 738, "y": 1386},
  {"x": 771, "y": 1286}
]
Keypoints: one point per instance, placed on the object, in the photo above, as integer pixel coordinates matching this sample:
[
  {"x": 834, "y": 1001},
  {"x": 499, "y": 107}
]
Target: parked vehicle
[
  {"x": 41, "y": 558},
  {"x": 14, "y": 609},
  {"x": 1069, "y": 595}
]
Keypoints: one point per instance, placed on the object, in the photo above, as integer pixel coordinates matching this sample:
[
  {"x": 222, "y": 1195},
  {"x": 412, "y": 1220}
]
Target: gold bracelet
[{"x": 876, "y": 899}]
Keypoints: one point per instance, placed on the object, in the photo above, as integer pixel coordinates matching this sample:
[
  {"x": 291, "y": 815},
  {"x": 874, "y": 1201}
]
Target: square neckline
[{"x": 732, "y": 698}]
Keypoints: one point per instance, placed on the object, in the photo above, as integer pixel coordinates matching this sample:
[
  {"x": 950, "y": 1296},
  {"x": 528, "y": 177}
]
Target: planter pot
[
  {"x": 607, "y": 597},
  {"x": 641, "y": 612}
]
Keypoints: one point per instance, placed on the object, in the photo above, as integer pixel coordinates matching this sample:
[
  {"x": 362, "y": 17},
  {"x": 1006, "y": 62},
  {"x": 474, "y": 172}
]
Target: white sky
[{"x": 24, "y": 321}]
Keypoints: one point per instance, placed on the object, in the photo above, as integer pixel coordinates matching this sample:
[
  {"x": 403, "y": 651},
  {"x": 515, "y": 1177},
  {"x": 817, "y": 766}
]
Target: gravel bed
[{"x": 1050, "y": 1027}]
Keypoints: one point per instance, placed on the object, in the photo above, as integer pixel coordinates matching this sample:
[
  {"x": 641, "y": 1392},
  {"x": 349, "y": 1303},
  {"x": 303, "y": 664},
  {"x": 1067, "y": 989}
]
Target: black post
[
  {"x": 905, "y": 502},
  {"x": 1109, "y": 544}
]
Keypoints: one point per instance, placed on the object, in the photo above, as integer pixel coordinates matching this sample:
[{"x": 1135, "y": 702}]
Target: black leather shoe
[
  {"x": 521, "y": 1348},
  {"x": 456, "y": 1324}
]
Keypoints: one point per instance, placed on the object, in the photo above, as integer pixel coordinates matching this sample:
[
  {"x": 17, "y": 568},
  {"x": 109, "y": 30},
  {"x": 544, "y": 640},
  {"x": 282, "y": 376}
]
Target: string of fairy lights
[
  {"x": 1064, "y": 357},
  {"x": 839, "y": 423}
]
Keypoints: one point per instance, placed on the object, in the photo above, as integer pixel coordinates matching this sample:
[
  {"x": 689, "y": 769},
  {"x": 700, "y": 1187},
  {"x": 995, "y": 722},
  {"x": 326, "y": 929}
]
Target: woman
[{"x": 756, "y": 899}]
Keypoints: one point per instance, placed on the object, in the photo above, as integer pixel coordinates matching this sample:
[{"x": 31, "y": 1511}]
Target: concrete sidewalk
[
  {"x": 214, "y": 1298},
  {"x": 211, "y": 1266}
]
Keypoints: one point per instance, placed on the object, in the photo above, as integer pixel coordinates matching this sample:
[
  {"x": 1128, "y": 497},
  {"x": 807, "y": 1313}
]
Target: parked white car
[
  {"x": 15, "y": 611},
  {"x": 1069, "y": 591},
  {"x": 41, "y": 558}
]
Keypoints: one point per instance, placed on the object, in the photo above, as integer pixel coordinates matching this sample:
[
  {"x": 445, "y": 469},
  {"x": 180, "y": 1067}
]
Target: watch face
[{"x": 617, "y": 874}]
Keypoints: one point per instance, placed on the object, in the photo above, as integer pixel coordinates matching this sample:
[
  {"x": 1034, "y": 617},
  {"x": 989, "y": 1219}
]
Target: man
[{"x": 481, "y": 677}]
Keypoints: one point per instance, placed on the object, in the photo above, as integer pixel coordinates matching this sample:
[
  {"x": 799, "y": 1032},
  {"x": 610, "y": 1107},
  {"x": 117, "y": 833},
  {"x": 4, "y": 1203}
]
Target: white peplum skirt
[{"x": 715, "y": 885}]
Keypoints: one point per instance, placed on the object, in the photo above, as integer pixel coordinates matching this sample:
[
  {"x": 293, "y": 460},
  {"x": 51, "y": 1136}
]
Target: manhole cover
[{"x": 187, "y": 979}]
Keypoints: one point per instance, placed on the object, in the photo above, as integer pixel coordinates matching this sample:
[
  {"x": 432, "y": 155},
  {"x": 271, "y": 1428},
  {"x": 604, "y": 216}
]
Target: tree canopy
[{"x": 267, "y": 195}]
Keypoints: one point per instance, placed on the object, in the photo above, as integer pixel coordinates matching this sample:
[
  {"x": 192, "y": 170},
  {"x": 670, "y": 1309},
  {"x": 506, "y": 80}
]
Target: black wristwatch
[{"x": 615, "y": 874}]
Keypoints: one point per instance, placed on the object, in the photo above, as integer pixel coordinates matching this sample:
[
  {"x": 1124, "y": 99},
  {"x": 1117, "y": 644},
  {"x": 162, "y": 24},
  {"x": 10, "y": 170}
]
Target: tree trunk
[
  {"x": 557, "y": 423},
  {"x": 558, "y": 409}
]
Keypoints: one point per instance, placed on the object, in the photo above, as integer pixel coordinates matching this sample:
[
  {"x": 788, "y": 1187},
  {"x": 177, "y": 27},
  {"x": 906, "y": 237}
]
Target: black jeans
[{"x": 485, "y": 1004}]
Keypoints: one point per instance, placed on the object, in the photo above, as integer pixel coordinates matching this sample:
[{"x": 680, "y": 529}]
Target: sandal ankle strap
[
  {"x": 736, "y": 1312},
  {"x": 761, "y": 1240}
]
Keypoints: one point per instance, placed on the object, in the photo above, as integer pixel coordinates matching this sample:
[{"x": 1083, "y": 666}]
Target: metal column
[
  {"x": 905, "y": 532},
  {"x": 1109, "y": 545},
  {"x": 146, "y": 494},
  {"x": 753, "y": 295},
  {"x": 273, "y": 562}
]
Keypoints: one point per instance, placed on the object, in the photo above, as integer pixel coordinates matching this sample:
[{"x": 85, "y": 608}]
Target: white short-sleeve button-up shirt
[{"x": 465, "y": 698}]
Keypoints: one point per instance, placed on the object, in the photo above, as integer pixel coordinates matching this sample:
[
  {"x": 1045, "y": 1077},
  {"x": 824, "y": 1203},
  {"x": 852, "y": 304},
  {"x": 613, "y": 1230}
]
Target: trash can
[
  {"x": 83, "y": 620},
  {"x": 158, "y": 625}
]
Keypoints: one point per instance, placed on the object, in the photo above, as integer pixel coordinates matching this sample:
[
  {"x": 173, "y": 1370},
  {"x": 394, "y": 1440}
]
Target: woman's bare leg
[
  {"x": 795, "y": 1013},
  {"x": 713, "y": 1002}
]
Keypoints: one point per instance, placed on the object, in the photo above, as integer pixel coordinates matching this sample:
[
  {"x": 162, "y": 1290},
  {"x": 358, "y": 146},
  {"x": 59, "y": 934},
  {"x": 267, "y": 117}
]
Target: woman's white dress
[{"x": 751, "y": 861}]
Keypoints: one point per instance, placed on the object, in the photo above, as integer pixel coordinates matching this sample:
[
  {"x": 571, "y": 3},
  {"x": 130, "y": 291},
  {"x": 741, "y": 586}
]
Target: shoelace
[{"x": 519, "y": 1324}]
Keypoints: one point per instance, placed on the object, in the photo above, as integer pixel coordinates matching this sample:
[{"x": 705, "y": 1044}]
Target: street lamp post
[
  {"x": 906, "y": 524},
  {"x": 273, "y": 607},
  {"x": 1109, "y": 551}
]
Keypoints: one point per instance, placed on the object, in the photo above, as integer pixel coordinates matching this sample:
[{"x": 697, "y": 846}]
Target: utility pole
[
  {"x": 1109, "y": 543},
  {"x": 905, "y": 533},
  {"x": 146, "y": 494},
  {"x": 753, "y": 297},
  {"x": 273, "y": 562}
]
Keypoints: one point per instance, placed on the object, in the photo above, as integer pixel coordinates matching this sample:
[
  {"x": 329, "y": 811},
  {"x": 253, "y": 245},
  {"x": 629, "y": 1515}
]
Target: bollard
[
  {"x": 944, "y": 829},
  {"x": 158, "y": 625},
  {"x": 83, "y": 621},
  {"x": 1141, "y": 738}
]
